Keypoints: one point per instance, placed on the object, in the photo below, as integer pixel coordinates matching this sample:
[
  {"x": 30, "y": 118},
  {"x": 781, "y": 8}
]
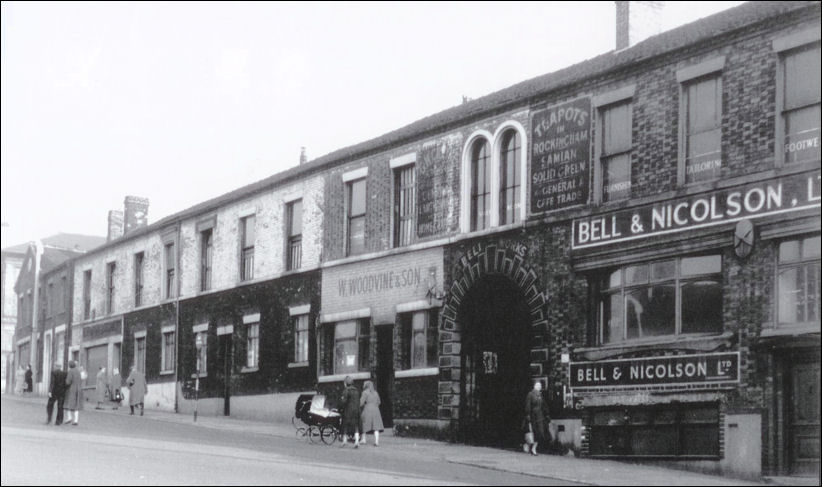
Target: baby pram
[{"x": 314, "y": 421}]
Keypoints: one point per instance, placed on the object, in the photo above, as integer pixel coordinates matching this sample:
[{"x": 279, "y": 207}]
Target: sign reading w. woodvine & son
[{"x": 560, "y": 156}]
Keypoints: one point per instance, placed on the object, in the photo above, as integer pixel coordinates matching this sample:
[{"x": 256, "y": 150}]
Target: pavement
[{"x": 565, "y": 468}]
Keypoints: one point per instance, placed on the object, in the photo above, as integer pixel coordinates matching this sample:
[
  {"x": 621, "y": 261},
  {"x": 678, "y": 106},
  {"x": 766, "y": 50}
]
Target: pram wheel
[
  {"x": 314, "y": 435},
  {"x": 329, "y": 434},
  {"x": 302, "y": 434}
]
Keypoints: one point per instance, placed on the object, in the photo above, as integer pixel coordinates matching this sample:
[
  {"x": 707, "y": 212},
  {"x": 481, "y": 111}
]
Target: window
[
  {"x": 702, "y": 101},
  {"x": 800, "y": 104},
  {"x": 63, "y": 294},
  {"x": 480, "y": 185},
  {"x": 110, "y": 268},
  {"x": 510, "y": 177},
  {"x": 301, "y": 338},
  {"x": 168, "y": 351},
  {"x": 683, "y": 430},
  {"x": 356, "y": 217},
  {"x": 294, "y": 212},
  {"x": 170, "y": 262},
  {"x": 405, "y": 205},
  {"x": 86, "y": 295},
  {"x": 247, "y": 247},
  {"x": 50, "y": 299},
  {"x": 202, "y": 353},
  {"x": 206, "y": 251},
  {"x": 252, "y": 351},
  {"x": 662, "y": 298},
  {"x": 140, "y": 353},
  {"x": 799, "y": 281},
  {"x": 139, "y": 259},
  {"x": 419, "y": 339},
  {"x": 351, "y": 340},
  {"x": 615, "y": 152}
]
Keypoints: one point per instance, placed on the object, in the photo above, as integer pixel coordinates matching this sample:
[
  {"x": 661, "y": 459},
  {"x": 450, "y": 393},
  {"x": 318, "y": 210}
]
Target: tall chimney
[
  {"x": 637, "y": 21},
  {"x": 136, "y": 213},
  {"x": 115, "y": 225},
  {"x": 303, "y": 157}
]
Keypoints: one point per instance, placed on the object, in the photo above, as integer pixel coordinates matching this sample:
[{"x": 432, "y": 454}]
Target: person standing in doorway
[
  {"x": 536, "y": 414},
  {"x": 350, "y": 404},
  {"x": 74, "y": 394},
  {"x": 57, "y": 391},
  {"x": 101, "y": 387},
  {"x": 29, "y": 383},
  {"x": 371, "y": 417},
  {"x": 136, "y": 382}
]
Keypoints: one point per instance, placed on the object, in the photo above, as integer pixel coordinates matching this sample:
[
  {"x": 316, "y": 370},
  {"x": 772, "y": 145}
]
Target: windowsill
[
  {"x": 698, "y": 342},
  {"x": 248, "y": 370},
  {"x": 203, "y": 375},
  {"x": 790, "y": 330},
  {"x": 295, "y": 365},
  {"x": 429, "y": 371},
  {"x": 341, "y": 377},
  {"x": 167, "y": 372}
]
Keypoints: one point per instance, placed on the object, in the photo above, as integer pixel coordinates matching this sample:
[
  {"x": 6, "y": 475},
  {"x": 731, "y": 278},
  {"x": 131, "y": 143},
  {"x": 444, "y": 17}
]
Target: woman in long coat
[
  {"x": 29, "y": 383},
  {"x": 100, "y": 387},
  {"x": 350, "y": 404},
  {"x": 74, "y": 394},
  {"x": 536, "y": 414},
  {"x": 371, "y": 417},
  {"x": 136, "y": 382}
]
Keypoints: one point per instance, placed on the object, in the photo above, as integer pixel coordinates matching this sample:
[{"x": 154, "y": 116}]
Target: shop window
[
  {"x": 798, "y": 281},
  {"x": 418, "y": 339},
  {"x": 670, "y": 297},
  {"x": 405, "y": 205},
  {"x": 800, "y": 104},
  {"x": 350, "y": 346},
  {"x": 294, "y": 215},
  {"x": 300, "y": 338},
  {"x": 615, "y": 151},
  {"x": 702, "y": 124},
  {"x": 356, "y": 217},
  {"x": 480, "y": 185},
  {"x": 677, "y": 431},
  {"x": 510, "y": 177},
  {"x": 169, "y": 349},
  {"x": 140, "y": 353},
  {"x": 247, "y": 247}
]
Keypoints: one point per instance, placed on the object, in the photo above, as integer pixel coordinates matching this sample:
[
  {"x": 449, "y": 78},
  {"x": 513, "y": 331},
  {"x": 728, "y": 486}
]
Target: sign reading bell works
[
  {"x": 791, "y": 193},
  {"x": 708, "y": 368},
  {"x": 560, "y": 156}
]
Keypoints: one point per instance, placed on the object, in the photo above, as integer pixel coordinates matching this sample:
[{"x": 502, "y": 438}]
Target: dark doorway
[
  {"x": 224, "y": 354},
  {"x": 495, "y": 362},
  {"x": 803, "y": 417},
  {"x": 385, "y": 372}
]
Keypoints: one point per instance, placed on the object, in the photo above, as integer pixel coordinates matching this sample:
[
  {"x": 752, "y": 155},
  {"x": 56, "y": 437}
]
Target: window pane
[
  {"x": 654, "y": 440},
  {"x": 651, "y": 311},
  {"x": 704, "y": 160},
  {"x": 612, "y": 318},
  {"x": 356, "y": 235},
  {"x": 636, "y": 274},
  {"x": 663, "y": 270},
  {"x": 789, "y": 251},
  {"x": 510, "y": 178},
  {"x": 248, "y": 231},
  {"x": 789, "y": 289},
  {"x": 616, "y": 130},
  {"x": 700, "y": 440},
  {"x": 295, "y": 218},
  {"x": 810, "y": 247},
  {"x": 345, "y": 356},
  {"x": 802, "y": 77},
  {"x": 357, "y": 198},
  {"x": 703, "y": 106},
  {"x": 701, "y": 307},
  {"x": 616, "y": 174},
  {"x": 480, "y": 185},
  {"x": 708, "y": 264},
  {"x": 802, "y": 134},
  {"x": 345, "y": 329},
  {"x": 615, "y": 279}
]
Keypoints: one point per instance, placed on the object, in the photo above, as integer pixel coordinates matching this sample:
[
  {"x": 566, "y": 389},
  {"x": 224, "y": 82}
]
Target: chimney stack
[
  {"x": 115, "y": 225},
  {"x": 136, "y": 213},
  {"x": 303, "y": 157},
  {"x": 637, "y": 21}
]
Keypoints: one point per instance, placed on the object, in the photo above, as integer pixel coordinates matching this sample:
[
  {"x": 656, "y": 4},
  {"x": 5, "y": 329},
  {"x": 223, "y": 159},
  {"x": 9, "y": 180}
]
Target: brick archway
[{"x": 477, "y": 262}]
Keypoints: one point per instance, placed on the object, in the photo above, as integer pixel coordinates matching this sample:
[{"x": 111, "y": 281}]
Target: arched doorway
[{"x": 496, "y": 322}]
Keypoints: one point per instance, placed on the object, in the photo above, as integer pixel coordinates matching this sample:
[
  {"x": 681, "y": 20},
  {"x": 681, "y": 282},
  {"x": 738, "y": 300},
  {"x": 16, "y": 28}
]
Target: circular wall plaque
[{"x": 743, "y": 238}]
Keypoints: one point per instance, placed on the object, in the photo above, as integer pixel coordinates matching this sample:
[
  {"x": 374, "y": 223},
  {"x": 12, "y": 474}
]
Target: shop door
[
  {"x": 385, "y": 372},
  {"x": 804, "y": 419},
  {"x": 224, "y": 354}
]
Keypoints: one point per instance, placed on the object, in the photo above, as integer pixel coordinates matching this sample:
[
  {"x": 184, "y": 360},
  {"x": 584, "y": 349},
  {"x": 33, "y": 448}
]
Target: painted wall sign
[
  {"x": 783, "y": 195},
  {"x": 560, "y": 156},
  {"x": 434, "y": 189},
  {"x": 679, "y": 369}
]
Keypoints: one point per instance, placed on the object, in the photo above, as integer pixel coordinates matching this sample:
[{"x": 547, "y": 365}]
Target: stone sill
[
  {"x": 428, "y": 371},
  {"x": 341, "y": 377},
  {"x": 702, "y": 342},
  {"x": 801, "y": 329},
  {"x": 294, "y": 365},
  {"x": 247, "y": 370},
  {"x": 167, "y": 372}
]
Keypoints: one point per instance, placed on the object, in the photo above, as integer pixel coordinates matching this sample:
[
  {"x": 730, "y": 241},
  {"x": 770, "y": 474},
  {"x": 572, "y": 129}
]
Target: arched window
[
  {"x": 510, "y": 173},
  {"x": 480, "y": 185}
]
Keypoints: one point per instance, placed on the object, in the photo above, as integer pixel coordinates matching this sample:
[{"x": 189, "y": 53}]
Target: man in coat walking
[
  {"x": 57, "y": 391},
  {"x": 74, "y": 394},
  {"x": 136, "y": 382}
]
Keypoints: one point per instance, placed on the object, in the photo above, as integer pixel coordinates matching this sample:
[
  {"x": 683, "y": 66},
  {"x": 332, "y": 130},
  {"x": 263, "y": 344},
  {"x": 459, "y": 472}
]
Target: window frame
[
  {"x": 602, "y": 157},
  {"x": 246, "y": 265},
  {"x": 139, "y": 266},
  {"x": 206, "y": 258},
  {"x": 140, "y": 352},
  {"x": 502, "y": 153},
  {"x": 404, "y": 231},
  {"x": 201, "y": 355},
  {"x": 169, "y": 271},
  {"x": 298, "y": 357},
  {"x": 349, "y": 217},
  {"x": 430, "y": 331},
  {"x": 800, "y": 263},
  {"x": 252, "y": 345},
  {"x": 293, "y": 241},
  {"x": 111, "y": 268},
  {"x": 165, "y": 367},
  {"x": 479, "y": 145},
  {"x": 361, "y": 340},
  {"x": 87, "y": 294},
  {"x": 784, "y": 47}
]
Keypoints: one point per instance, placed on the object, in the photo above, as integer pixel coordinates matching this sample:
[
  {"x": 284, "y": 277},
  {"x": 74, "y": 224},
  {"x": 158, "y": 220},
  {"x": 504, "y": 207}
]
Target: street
[{"x": 114, "y": 448}]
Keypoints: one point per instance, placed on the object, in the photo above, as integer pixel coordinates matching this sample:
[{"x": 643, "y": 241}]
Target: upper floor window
[
  {"x": 139, "y": 259},
  {"x": 405, "y": 205},
  {"x": 702, "y": 125},
  {"x": 800, "y": 114},
  {"x": 247, "y": 247},
  {"x": 170, "y": 263},
  {"x": 206, "y": 251},
  {"x": 669, "y": 297},
  {"x": 50, "y": 299},
  {"x": 480, "y": 185},
  {"x": 615, "y": 151},
  {"x": 798, "y": 281},
  {"x": 356, "y": 217},
  {"x": 63, "y": 293},
  {"x": 510, "y": 178},
  {"x": 110, "y": 269},
  {"x": 294, "y": 215},
  {"x": 87, "y": 294}
]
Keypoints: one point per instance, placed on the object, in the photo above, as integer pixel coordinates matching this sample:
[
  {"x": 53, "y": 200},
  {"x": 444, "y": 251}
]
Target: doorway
[
  {"x": 385, "y": 372},
  {"x": 803, "y": 418},
  {"x": 224, "y": 359},
  {"x": 495, "y": 362}
]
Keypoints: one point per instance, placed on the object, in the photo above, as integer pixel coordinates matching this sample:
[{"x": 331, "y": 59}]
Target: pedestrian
[
  {"x": 350, "y": 404},
  {"x": 74, "y": 394},
  {"x": 536, "y": 416},
  {"x": 57, "y": 391},
  {"x": 29, "y": 385},
  {"x": 371, "y": 417},
  {"x": 101, "y": 387},
  {"x": 136, "y": 382},
  {"x": 116, "y": 385}
]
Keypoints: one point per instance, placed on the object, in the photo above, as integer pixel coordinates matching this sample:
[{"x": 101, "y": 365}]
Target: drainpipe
[
  {"x": 177, "y": 317},
  {"x": 38, "y": 252}
]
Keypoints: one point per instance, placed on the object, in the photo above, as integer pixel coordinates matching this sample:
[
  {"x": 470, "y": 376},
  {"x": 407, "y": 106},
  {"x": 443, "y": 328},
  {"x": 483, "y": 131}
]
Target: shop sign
[
  {"x": 778, "y": 196},
  {"x": 560, "y": 156},
  {"x": 709, "y": 368}
]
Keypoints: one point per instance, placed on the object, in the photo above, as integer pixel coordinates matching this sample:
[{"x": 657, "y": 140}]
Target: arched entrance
[{"x": 495, "y": 362}]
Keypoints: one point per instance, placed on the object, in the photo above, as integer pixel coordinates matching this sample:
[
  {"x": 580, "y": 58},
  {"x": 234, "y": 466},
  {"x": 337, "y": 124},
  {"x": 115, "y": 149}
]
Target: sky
[{"x": 183, "y": 102}]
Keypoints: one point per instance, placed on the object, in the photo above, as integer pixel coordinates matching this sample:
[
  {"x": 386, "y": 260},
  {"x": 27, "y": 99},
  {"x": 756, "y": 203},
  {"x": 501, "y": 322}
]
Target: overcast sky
[{"x": 183, "y": 102}]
